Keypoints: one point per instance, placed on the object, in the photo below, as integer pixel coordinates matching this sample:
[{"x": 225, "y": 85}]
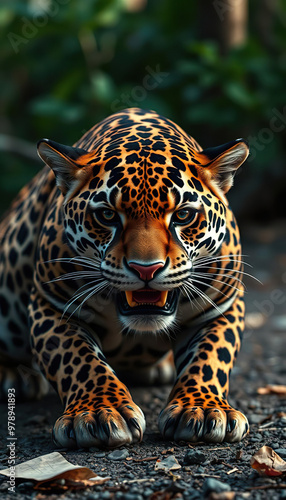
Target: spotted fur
[{"x": 120, "y": 251}]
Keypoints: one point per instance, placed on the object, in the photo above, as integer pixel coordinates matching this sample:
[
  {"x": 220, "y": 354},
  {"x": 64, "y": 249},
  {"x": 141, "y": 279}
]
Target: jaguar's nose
[{"x": 146, "y": 272}]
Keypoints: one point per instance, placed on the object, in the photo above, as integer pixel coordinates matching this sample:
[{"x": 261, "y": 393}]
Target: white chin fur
[{"x": 150, "y": 324}]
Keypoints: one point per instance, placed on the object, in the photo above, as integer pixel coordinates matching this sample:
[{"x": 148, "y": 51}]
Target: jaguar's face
[
  {"x": 146, "y": 254},
  {"x": 146, "y": 245},
  {"x": 144, "y": 220}
]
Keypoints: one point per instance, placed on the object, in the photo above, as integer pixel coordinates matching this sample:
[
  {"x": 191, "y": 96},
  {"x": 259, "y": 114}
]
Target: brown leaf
[
  {"x": 268, "y": 463},
  {"x": 61, "y": 484},
  {"x": 280, "y": 390},
  {"x": 53, "y": 471}
]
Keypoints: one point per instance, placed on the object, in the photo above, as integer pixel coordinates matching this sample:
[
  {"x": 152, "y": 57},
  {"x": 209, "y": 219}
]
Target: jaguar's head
[{"x": 143, "y": 202}]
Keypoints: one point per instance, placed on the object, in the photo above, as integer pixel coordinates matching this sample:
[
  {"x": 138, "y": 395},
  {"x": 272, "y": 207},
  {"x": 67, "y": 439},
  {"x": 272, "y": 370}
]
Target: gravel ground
[{"x": 207, "y": 471}]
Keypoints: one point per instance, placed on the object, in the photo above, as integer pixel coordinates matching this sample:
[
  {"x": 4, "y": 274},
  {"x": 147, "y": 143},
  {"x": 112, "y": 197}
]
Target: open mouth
[{"x": 148, "y": 301}]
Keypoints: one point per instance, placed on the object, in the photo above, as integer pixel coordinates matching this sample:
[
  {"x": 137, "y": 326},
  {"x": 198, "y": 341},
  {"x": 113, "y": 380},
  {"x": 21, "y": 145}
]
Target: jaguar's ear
[
  {"x": 220, "y": 163},
  {"x": 66, "y": 162}
]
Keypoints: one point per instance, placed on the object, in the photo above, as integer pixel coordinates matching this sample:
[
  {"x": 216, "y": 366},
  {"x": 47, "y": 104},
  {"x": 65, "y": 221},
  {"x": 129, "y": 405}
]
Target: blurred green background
[{"x": 217, "y": 68}]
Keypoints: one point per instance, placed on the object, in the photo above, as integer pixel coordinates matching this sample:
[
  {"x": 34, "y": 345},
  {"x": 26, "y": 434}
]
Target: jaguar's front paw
[
  {"x": 106, "y": 426},
  {"x": 193, "y": 423}
]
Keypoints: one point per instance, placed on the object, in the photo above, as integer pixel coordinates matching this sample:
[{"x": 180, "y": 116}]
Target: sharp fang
[
  {"x": 162, "y": 302},
  {"x": 131, "y": 302}
]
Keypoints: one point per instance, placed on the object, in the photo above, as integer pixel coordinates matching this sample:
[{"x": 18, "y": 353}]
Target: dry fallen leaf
[
  {"x": 268, "y": 463},
  {"x": 54, "y": 471},
  {"x": 167, "y": 464},
  {"x": 64, "y": 484},
  {"x": 280, "y": 390}
]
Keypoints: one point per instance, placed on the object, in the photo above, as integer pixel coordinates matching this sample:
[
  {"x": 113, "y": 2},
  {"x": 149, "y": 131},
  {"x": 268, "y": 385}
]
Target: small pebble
[
  {"x": 118, "y": 454},
  {"x": 200, "y": 469},
  {"x": 253, "y": 475},
  {"x": 99, "y": 454},
  {"x": 192, "y": 495},
  {"x": 147, "y": 492},
  {"x": 213, "y": 485},
  {"x": 193, "y": 457},
  {"x": 256, "y": 437},
  {"x": 132, "y": 496},
  {"x": 281, "y": 452},
  {"x": 99, "y": 496},
  {"x": 25, "y": 486},
  {"x": 254, "y": 418},
  {"x": 130, "y": 475}
]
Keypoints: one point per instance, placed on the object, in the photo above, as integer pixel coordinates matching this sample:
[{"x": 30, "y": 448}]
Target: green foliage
[{"x": 68, "y": 64}]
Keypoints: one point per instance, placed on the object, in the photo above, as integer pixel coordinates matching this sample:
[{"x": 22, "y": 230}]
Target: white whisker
[
  {"x": 219, "y": 257},
  {"x": 225, "y": 258},
  {"x": 235, "y": 270},
  {"x": 76, "y": 275},
  {"x": 82, "y": 261},
  {"x": 203, "y": 296},
  {"x": 207, "y": 277},
  {"x": 91, "y": 291},
  {"x": 191, "y": 297},
  {"x": 77, "y": 295},
  {"x": 209, "y": 286}
]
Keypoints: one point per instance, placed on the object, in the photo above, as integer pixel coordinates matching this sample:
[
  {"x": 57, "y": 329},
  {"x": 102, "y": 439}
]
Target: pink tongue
[{"x": 146, "y": 296}]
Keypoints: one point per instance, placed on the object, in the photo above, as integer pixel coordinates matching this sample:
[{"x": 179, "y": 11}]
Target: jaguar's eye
[
  {"x": 184, "y": 216},
  {"x": 107, "y": 216}
]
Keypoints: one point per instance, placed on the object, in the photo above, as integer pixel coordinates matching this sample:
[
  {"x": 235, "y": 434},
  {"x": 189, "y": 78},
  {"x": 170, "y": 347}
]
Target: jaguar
[{"x": 121, "y": 261}]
